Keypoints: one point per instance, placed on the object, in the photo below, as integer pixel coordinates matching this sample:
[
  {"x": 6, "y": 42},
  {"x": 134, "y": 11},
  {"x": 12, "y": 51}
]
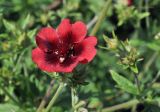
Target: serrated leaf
[{"x": 124, "y": 83}]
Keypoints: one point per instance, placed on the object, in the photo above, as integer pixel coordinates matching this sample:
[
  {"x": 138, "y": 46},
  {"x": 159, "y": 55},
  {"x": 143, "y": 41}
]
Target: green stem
[
  {"x": 55, "y": 97},
  {"x": 81, "y": 103},
  {"x": 121, "y": 106},
  {"x": 148, "y": 64},
  {"x": 101, "y": 17},
  {"x": 74, "y": 99},
  {"x": 128, "y": 104},
  {"x": 147, "y": 10},
  {"x": 46, "y": 97},
  {"x": 9, "y": 95},
  {"x": 150, "y": 61},
  {"x": 138, "y": 23},
  {"x": 155, "y": 79},
  {"x": 137, "y": 83},
  {"x": 156, "y": 85}
]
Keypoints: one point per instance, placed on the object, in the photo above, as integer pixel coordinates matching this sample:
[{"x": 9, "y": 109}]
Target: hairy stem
[
  {"x": 9, "y": 95},
  {"x": 156, "y": 85},
  {"x": 121, "y": 106},
  {"x": 148, "y": 64},
  {"x": 74, "y": 99},
  {"x": 46, "y": 97},
  {"x": 147, "y": 10},
  {"x": 54, "y": 97},
  {"x": 101, "y": 17},
  {"x": 81, "y": 103},
  {"x": 154, "y": 80},
  {"x": 92, "y": 22},
  {"x": 137, "y": 83},
  {"x": 128, "y": 104}
]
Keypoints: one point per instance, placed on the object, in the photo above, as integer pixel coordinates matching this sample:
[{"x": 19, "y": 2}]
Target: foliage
[{"x": 23, "y": 85}]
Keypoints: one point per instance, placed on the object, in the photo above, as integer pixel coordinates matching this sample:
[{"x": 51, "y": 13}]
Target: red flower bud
[{"x": 130, "y": 2}]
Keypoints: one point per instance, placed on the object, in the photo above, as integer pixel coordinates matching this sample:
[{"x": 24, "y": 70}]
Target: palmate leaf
[{"x": 124, "y": 83}]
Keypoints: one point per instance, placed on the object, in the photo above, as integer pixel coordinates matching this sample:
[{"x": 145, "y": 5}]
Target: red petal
[
  {"x": 43, "y": 60},
  {"x": 86, "y": 49},
  {"x": 46, "y": 39},
  {"x": 69, "y": 64},
  {"x": 50, "y": 63},
  {"x": 64, "y": 30},
  {"x": 79, "y": 31}
]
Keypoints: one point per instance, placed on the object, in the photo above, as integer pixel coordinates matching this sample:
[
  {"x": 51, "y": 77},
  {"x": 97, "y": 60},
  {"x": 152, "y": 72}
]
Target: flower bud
[
  {"x": 125, "y": 2},
  {"x": 112, "y": 43}
]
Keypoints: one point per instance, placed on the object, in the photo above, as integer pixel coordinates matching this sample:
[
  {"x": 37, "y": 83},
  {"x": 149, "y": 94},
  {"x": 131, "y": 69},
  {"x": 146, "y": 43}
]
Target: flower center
[
  {"x": 61, "y": 59},
  {"x": 63, "y": 56}
]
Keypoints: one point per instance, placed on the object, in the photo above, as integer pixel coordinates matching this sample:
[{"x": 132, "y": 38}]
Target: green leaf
[
  {"x": 134, "y": 69},
  {"x": 26, "y": 21},
  {"x": 111, "y": 42},
  {"x": 143, "y": 15},
  {"x": 8, "y": 108},
  {"x": 31, "y": 33},
  {"x": 101, "y": 47},
  {"x": 3, "y": 35},
  {"x": 154, "y": 46},
  {"x": 94, "y": 102},
  {"x": 8, "y": 25},
  {"x": 124, "y": 83},
  {"x": 106, "y": 38}
]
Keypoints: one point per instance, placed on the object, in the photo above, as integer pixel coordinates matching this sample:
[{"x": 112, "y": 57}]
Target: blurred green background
[{"x": 19, "y": 76}]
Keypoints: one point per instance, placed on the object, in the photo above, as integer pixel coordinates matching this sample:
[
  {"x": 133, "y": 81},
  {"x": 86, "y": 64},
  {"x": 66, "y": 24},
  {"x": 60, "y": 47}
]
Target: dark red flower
[
  {"x": 125, "y": 2},
  {"x": 62, "y": 49},
  {"x": 130, "y": 2}
]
